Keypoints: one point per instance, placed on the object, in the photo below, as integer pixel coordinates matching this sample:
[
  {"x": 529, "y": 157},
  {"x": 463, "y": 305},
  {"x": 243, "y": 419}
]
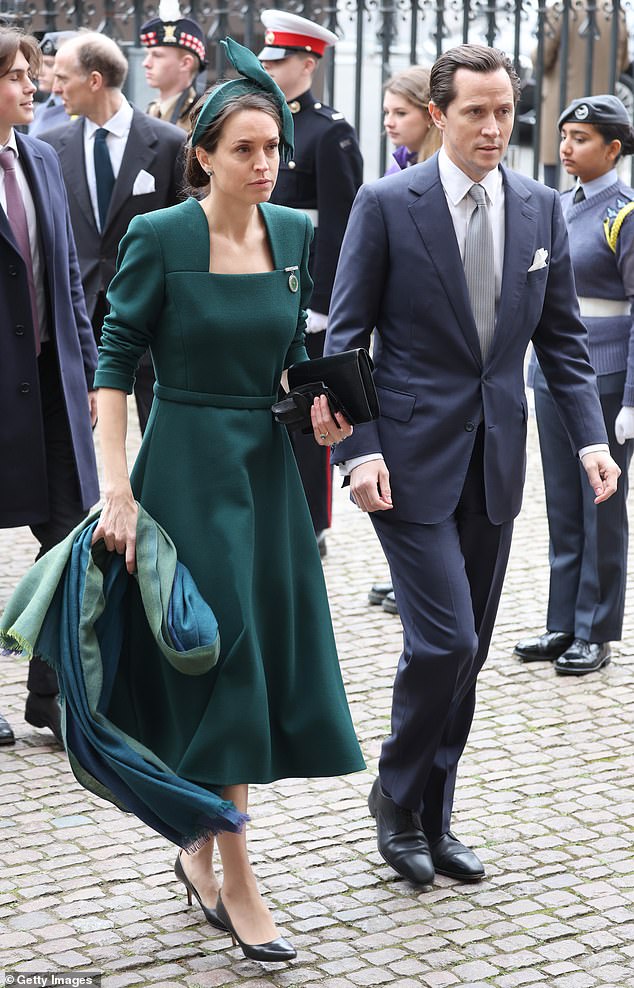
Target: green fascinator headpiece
[{"x": 254, "y": 80}]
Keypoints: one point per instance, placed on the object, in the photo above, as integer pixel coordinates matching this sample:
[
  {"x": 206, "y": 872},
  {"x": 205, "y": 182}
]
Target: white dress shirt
[
  {"x": 34, "y": 241},
  {"x": 118, "y": 128}
]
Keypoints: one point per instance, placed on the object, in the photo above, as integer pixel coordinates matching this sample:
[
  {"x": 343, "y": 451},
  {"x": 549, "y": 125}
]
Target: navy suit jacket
[
  {"x": 153, "y": 146},
  {"x": 24, "y": 491},
  {"x": 400, "y": 271}
]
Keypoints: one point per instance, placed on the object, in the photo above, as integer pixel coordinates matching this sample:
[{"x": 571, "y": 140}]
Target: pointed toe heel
[
  {"x": 211, "y": 915},
  {"x": 275, "y": 950}
]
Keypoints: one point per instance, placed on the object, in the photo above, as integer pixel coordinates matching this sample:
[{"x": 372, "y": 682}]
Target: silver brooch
[{"x": 293, "y": 280}]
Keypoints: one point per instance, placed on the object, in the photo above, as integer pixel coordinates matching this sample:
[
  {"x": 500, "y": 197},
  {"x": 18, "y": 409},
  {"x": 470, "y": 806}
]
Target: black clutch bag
[{"x": 346, "y": 380}]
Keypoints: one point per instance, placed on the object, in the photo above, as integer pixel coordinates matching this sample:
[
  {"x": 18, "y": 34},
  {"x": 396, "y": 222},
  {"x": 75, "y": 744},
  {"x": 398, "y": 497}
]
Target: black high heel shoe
[
  {"x": 210, "y": 914},
  {"x": 274, "y": 950}
]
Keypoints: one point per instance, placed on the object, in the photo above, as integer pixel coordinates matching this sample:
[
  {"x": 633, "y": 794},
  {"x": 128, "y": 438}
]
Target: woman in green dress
[{"x": 217, "y": 288}]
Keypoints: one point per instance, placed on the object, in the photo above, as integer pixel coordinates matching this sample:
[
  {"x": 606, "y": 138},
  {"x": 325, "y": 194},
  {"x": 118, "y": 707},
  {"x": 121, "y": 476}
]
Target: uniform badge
[{"x": 293, "y": 280}]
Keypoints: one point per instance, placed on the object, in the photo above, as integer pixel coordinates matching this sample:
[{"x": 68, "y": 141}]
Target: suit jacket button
[
  {"x": 25, "y": 387},
  {"x": 12, "y": 270},
  {"x": 19, "y": 330},
  {"x": 469, "y": 426}
]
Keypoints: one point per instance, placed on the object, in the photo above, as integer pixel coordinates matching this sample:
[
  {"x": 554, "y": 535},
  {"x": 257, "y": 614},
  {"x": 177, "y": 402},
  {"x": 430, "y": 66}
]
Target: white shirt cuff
[
  {"x": 348, "y": 466},
  {"x": 595, "y": 448}
]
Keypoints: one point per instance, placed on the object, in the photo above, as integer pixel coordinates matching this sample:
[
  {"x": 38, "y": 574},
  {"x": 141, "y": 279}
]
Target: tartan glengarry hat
[
  {"x": 182, "y": 32},
  {"x": 603, "y": 109},
  {"x": 286, "y": 34}
]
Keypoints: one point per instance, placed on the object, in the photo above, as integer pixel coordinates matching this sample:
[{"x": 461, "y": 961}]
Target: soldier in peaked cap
[
  {"x": 176, "y": 54},
  {"x": 49, "y": 112},
  {"x": 322, "y": 180},
  {"x": 588, "y": 549}
]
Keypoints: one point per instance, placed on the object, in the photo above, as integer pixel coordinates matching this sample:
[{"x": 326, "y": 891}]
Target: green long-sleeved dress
[{"x": 218, "y": 473}]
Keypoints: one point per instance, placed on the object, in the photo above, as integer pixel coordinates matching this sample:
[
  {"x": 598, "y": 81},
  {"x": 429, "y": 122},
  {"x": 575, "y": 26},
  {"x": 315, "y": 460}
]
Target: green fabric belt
[{"x": 217, "y": 401}]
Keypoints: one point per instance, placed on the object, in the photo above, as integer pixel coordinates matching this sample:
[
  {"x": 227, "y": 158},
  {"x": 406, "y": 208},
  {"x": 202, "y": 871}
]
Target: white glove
[
  {"x": 624, "y": 424},
  {"x": 317, "y": 322}
]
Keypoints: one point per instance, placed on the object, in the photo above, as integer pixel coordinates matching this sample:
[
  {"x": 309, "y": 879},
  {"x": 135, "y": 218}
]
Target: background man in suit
[
  {"x": 458, "y": 263},
  {"x": 47, "y": 354},
  {"x": 322, "y": 179},
  {"x": 175, "y": 56},
  {"x": 116, "y": 162}
]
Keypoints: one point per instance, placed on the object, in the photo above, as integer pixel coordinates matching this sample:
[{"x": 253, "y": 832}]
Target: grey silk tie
[
  {"x": 16, "y": 214},
  {"x": 479, "y": 269}
]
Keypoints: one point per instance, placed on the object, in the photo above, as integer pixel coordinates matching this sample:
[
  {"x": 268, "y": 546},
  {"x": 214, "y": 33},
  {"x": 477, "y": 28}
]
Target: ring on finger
[{"x": 324, "y": 435}]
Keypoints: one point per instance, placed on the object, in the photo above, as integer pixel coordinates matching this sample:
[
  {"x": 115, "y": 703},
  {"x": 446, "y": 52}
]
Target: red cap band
[{"x": 284, "y": 39}]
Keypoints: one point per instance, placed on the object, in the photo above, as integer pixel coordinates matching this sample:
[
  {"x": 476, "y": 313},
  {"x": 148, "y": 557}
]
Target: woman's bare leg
[
  {"x": 248, "y": 911},
  {"x": 199, "y": 868}
]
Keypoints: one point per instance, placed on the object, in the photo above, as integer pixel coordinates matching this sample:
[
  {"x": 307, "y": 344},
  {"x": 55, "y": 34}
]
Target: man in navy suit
[
  {"x": 455, "y": 306},
  {"x": 146, "y": 170},
  {"x": 47, "y": 354}
]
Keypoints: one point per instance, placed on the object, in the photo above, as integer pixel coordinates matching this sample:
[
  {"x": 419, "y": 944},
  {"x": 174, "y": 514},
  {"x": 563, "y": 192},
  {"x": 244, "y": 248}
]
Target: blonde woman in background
[{"x": 406, "y": 118}]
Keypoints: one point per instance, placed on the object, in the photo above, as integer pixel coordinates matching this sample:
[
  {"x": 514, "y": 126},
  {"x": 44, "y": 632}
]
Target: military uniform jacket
[
  {"x": 177, "y": 111},
  {"x": 324, "y": 175}
]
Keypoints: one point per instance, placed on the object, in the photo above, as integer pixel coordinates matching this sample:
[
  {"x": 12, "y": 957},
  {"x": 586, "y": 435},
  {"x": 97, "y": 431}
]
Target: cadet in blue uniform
[
  {"x": 322, "y": 180},
  {"x": 589, "y": 544}
]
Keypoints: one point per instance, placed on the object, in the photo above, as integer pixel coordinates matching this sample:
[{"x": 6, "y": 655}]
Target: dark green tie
[{"x": 104, "y": 175}]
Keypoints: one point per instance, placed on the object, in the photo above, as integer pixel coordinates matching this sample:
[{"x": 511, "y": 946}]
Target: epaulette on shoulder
[
  {"x": 327, "y": 112},
  {"x": 614, "y": 221}
]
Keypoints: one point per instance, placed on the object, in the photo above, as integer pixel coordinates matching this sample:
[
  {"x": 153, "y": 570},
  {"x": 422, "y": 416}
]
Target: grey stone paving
[{"x": 545, "y": 795}]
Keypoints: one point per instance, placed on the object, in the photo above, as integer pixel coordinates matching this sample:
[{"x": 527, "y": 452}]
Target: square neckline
[{"x": 243, "y": 274}]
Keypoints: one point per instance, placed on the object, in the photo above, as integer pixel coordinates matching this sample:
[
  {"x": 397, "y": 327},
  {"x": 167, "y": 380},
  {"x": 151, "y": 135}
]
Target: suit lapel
[
  {"x": 36, "y": 174},
  {"x": 140, "y": 152},
  {"x": 72, "y": 156},
  {"x": 430, "y": 214},
  {"x": 520, "y": 220}
]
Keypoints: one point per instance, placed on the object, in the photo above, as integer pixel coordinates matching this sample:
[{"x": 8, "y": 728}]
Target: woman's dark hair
[
  {"x": 617, "y": 132},
  {"x": 13, "y": 40},
  {"x": 475, "y": 58},
  {"x": 195, "y": 177}
]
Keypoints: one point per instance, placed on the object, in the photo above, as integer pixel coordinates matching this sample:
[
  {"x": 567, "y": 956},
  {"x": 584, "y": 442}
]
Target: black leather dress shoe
[
  {"x": 401, "y": 842},
  {"x": 583, "y": 657},
  {"x": 378, "y": 592},
  {"x": 544, "y": 648},
  {"x": 454, "y": 859},
  {"x": 44, "y": 711},
  {"x": 389, "y": 603},
  {"x": 6, "y": 732}
]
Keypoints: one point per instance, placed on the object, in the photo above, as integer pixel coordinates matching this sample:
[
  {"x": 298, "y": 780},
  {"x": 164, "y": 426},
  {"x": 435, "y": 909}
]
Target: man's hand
[
  {"x": 603, "y": 474},
  {"x": 370, "y": 486}
]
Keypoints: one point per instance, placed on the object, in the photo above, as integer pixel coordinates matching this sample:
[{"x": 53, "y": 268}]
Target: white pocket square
[
  {"x": 143, "y": 183},
  {"x": 540, "y": 260}
]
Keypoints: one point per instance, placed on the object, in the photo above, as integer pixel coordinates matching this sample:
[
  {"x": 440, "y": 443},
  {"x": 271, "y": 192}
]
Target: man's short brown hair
[
  {"x": 13, "y": 40},
  {"x": 475, "y": 58}
]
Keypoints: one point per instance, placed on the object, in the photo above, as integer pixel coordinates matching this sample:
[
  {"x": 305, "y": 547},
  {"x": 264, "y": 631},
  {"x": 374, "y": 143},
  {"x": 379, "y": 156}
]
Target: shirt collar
[
  {"x": 456, "y": 184},
  {"x": 599, "y": 184},
  {"x": 119, "y": 123},
  {"x": 11, "y": 143}
]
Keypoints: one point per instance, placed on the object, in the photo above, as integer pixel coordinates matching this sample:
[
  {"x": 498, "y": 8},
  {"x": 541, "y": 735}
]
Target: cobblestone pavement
[{"x": 545, "y": 794}]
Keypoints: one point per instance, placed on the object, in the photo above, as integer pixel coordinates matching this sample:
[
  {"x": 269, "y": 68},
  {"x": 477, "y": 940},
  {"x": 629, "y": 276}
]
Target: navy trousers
[
  {"x": 588, "y": 542},
  {"x": 447, "y": 580}
]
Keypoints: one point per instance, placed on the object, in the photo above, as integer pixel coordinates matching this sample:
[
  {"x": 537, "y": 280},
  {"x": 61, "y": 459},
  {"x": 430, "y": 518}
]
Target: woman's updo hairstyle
[{"x": 195, "y": 176}]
